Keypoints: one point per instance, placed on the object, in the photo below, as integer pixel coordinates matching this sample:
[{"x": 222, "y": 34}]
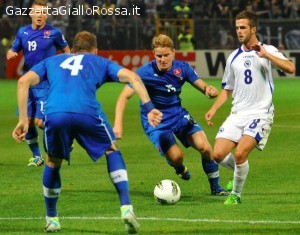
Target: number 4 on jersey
[{"x": 73, "y": 63}]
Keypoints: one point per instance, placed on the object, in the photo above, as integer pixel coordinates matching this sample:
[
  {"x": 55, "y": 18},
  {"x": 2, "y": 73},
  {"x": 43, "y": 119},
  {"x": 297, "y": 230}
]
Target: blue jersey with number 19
[
  {"x": 38, "y": 45},
  {"x": 74, "y": 80}
]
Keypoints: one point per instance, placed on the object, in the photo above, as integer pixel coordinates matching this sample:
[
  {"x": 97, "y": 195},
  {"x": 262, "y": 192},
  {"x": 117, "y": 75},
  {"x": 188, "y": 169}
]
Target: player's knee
[
  {"x": 111, "y": 149},
  {"x": 177, "y": 160},
  {"x": 239, "y": 157},
  {"x": 175, "y": 154},
  {"x": 206, "y": 151},
  {"x": 218, "y": 156},
  {"x": 53, "y": 162}
]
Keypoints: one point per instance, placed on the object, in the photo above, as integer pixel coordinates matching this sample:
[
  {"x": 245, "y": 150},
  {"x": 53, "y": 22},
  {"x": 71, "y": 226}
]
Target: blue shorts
[
  {"x": 93, "y": 133},
  {"x": 36, "y": 103},
  {"x": 163, "y": 138}
]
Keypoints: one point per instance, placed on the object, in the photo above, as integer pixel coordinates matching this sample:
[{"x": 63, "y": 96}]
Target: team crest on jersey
[
  {"x": 221, "y": 129},
  {"x": 46, "y": 33},
  {"x": 247, "y": 63},
  {"x": 178, "y": 73}
]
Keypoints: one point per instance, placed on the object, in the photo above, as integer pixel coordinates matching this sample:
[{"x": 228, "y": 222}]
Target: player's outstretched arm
[
  {"x": 27, "y": 80},
  {"x": 221, "y": 99},
  {"x": 127, "y": 76},
  {"x": 209, "y": 91},
  {"x": 123, "y": 98}
]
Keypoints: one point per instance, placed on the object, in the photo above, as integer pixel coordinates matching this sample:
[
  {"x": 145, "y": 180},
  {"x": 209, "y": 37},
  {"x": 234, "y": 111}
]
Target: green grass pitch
[{"x": 89, "y": 205}]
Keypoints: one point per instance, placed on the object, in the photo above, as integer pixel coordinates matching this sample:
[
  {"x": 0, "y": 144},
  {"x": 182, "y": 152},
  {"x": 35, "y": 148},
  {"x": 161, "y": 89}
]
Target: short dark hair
[
  {"x": 250, "y": 15},
  {"x": 84, "y": 41}
]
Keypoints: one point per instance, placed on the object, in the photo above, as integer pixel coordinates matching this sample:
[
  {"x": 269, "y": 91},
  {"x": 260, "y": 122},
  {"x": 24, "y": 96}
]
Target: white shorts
[{"x": 258, "y": 127}]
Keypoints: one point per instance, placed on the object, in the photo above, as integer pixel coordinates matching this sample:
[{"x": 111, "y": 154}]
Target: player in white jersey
[{"x": 248, "y": 78}]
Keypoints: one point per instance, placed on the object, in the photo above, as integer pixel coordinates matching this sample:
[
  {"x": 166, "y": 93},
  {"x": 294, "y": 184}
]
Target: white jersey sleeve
[{"x": 251, "y": 80}]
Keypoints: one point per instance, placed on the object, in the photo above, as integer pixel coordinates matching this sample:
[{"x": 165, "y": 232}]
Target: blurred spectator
[
  {"x": 236, "y": 7},
  {"x": 122, "y": 4},
  {"x": 260, "y": 7},
  {"x": 227, "y": 40},
  {"x": 186, "y": 41},
  {"x": 221, "y": 9},
  {"x": 106, "y": 16},
  {"x": 148, "y": 32},
  {"x": 60, "y": 21},
  {"x": 182, "y": 10},
  {"x": 291, "y": 9},
  {"x": 276, "y": 9},
  {"x": 107, "y": 41},
  {"x": 164, "y": 8},
  {"x": 108, "y": 6},
  {"x": 151, "y": 6},
  {"x": 5, "y": 42},
  {"x": 202, "y": 8}
]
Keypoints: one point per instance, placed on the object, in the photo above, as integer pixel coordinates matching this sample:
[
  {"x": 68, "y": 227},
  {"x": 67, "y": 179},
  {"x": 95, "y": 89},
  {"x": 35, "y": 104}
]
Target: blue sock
[
  {"x": 32, "y": 140},
  {"x": 52, "y": 188},
  {"x": 211, "y": 169},
  {"x": 118, "y": 175}
]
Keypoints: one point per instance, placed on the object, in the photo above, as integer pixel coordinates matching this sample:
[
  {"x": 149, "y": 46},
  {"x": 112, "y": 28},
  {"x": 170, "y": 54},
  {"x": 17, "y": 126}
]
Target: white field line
[{"x": 163, "y": 219}]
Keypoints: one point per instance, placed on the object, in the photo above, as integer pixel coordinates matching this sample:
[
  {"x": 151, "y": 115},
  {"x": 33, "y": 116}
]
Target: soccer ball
[{"x": 167, "y": 192}]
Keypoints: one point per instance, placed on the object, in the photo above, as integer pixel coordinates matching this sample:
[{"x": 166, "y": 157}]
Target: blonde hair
[
  {"x": 162, "y": 40},
  {"x": 84, "y": 41}
]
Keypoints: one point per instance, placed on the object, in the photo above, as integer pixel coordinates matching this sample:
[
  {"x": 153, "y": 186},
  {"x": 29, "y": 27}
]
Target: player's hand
[
  {"x": 118, "y": 130},
  {"x": 11, "y": 55},
  {"x": 260, "y": 50},
  {"x": 211, "y": 92},
  {"x": 209, "y": 115},
  {"x": 20, "y": 131},
  {"x": 154, "y": 117}
]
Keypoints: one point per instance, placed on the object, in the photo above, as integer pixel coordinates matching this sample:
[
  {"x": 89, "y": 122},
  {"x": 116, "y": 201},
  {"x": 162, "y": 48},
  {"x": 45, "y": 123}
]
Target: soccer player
[
  {"x": 248, "y": 78},
  {"x": 163, "y": 78},
  {"x": 73, "y": 112},
  {"x": 38, "y": 41}
]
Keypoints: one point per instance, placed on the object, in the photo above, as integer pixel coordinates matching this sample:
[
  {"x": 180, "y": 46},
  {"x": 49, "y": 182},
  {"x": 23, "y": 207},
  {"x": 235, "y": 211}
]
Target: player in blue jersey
[
  {"x": 163, "y": 78},
  {"x": 248, "y": 79},
  {"x": 38, "y": 41},
  {"x": 73, "y": 112}
]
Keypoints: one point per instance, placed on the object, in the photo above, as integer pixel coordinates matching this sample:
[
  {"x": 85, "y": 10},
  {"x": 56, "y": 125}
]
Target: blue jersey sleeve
[
  {"x": 59, "y": 39},
  {"x": 17, "y": 44},
  {"x": 191, "y": 74},
  {"x": 113, "y": 70}
]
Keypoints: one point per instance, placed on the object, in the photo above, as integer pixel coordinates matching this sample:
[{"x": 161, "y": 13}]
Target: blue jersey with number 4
[
  {"x": 74, "y": 80},
  {"x": 38, "y": 45}
]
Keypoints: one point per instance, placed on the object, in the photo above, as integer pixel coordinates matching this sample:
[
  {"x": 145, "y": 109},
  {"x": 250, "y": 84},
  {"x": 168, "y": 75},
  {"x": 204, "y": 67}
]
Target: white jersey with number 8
[{"x": 250, "y": 77}]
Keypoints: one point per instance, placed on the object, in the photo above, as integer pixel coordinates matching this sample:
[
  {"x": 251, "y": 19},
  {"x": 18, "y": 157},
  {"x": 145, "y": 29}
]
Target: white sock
[
  {"x": 240, "y": 175},
  {"x": 228, "y": 162}
]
